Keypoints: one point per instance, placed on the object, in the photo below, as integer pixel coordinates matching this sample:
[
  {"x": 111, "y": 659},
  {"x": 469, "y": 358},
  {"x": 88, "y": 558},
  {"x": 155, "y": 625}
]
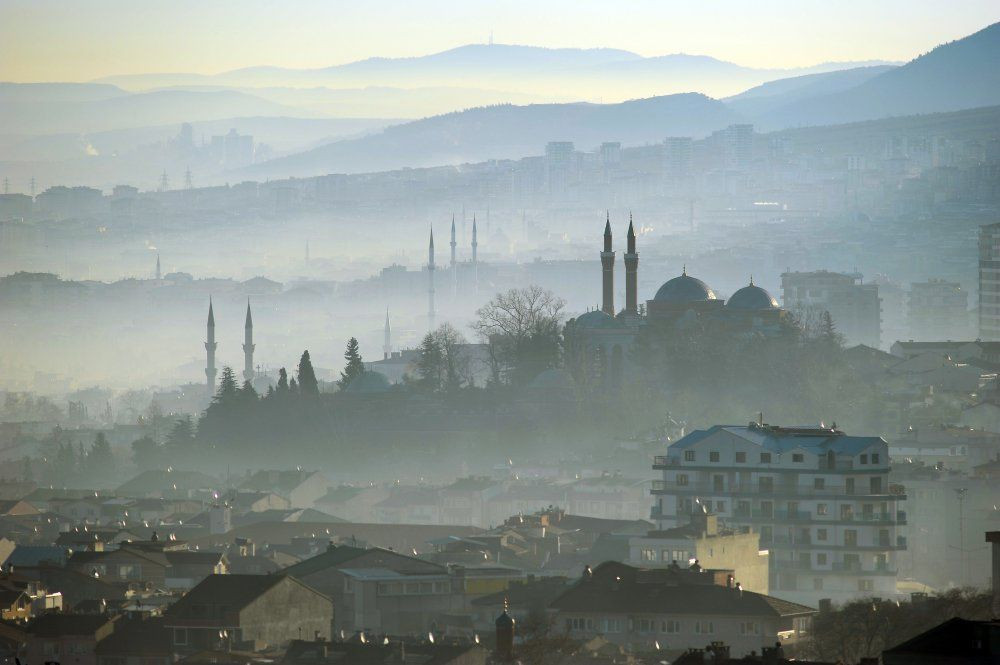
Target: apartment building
[{"x": 820, "y": 500}]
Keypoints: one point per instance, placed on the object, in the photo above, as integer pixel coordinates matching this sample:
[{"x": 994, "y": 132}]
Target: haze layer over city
[{"x": 562, "y": 332}]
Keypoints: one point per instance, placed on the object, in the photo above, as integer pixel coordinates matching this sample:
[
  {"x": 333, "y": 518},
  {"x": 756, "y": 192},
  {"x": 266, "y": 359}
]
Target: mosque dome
[
  {"x": 684, "y": 289},
  {"x": 752, "y": 298},
  {"x": 595, "y": 319}
]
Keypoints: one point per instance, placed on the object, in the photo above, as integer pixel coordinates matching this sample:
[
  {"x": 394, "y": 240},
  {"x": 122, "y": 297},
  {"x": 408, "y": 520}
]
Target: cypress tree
[{"x": 308, "y": 385}]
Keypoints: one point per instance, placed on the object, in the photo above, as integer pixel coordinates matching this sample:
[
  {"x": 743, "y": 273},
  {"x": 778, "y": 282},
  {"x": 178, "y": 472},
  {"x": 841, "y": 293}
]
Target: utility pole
[
  {"x": 32, "y": 186},
  {"x": 960, "y": 493},
  {"x": 6, "y": 185}
]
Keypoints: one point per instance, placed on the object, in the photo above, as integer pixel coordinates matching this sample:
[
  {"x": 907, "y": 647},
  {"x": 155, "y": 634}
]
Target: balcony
[
  {"x": 751, "y": 489},
  {"x": 664, "y": 461}
]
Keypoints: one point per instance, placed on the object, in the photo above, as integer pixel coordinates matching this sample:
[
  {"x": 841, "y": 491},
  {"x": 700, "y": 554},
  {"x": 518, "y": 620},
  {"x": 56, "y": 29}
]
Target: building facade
[
  {"x": 820, "y": 500},
  {"x": 989, "y": 282},
  {"x": 854, "y": 306}
]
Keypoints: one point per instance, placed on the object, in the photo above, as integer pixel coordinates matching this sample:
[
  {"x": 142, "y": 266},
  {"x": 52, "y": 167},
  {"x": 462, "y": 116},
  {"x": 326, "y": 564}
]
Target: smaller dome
[
  {"x": 752, "y": 298},
  {"x": 684, "y": 289},
  {"x": 595, "y": 319},
  {"x": 369, "y": 382}
]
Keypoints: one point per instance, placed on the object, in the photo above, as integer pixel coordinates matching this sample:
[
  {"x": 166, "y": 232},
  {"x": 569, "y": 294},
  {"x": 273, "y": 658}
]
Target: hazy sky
[{"x": 72, "y": 40}]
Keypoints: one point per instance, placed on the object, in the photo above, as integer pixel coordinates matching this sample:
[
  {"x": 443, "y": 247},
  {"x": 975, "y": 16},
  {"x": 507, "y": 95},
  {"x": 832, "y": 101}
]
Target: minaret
[
  {"x": 631, "y": 272},
  {"x": 430, "y": 282},
  {"x": 210, "y": 345},
  {"x": 608, "y": 269},
  {"x": 475, "y": 255},
  {"x": 157, "y": 266},
  {"x": 248, "y": 347},
  {"x": 454, "y": 265},
  {"x": 386, "y": 341}
]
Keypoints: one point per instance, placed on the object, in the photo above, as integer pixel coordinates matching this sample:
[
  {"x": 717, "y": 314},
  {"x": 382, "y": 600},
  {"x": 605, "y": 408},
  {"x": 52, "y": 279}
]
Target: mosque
[{"x": 679, "y": 303}]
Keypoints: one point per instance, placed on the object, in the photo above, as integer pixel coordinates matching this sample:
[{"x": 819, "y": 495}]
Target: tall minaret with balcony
[
  {"x": 248, "y": 347},
  {"x": 475, "y": 255},
  {"x": 454, "y": 264},
  {"x": 608, "y": 270},
  {"x": 631, "y": 272},
  {"x": 430, "y": 282},
  {"x": 386, "y": 338},
  {"x": 210, "y": 371}
]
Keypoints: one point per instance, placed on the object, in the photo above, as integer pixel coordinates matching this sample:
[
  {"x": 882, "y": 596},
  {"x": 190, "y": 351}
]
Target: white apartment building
[{"x": 820, "y": 500}]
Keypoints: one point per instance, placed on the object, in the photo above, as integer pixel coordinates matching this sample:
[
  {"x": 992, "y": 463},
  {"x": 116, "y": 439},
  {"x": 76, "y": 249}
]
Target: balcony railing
[
  {"x": 665, "y": 460},
  {"x": 665, "y": 486}
]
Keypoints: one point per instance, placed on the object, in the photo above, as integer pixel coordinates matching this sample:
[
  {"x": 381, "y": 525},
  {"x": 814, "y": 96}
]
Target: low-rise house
[
  {"x": 355, "y": 504},
  {"x": 679, "y": 609},
  {"x": 610, "y": 496},
  {"x": 228, "y": 611},
  {"x": 136, "y": 641},
  {"x": 157, "y": 483},
  {"x": 301, "y": 488},
  {"x": 164, "y": 564},
  {"x": 66, "y": 638},
  {"x": 465, "y": 501},
  {"x": 955, "y": 642}
]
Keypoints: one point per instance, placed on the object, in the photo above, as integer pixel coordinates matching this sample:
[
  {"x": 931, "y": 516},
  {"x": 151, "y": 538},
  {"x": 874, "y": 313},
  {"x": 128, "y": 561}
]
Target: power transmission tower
[
  {"x": 6, "y": 185},
  {"x": 32, "y": 186},
  {"x": 164, "y": 182},
  {"x": 187, "y": 179}
]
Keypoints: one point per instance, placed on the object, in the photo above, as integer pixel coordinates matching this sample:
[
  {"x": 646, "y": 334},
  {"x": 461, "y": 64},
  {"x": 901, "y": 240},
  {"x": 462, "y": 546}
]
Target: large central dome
[{"x": 684, "y": 289}]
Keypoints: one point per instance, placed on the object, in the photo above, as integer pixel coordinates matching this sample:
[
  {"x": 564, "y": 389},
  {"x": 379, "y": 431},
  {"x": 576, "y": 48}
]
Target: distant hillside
[
  {"x": 767, "y": 97},
  {"x": 57, "y": 92},
  {"x": 20, "y": 113},
  {"x": 959, "y": 75},
  {"x": 507, "y": 132},
  {"x": 579, "y": 74}
]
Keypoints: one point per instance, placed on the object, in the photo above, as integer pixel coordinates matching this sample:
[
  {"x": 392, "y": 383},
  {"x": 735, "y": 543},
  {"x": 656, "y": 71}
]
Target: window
[
  {"x": 682, "y": 479},
  {"x": 720, "y": 506},
  {"x": 766, "y": 509},
  {"x": 821, "y": 509},
  {"x": 688, "y": 455},
  {"x": 876, "y": 485},
  {"x": 864, "y": 459},
  {"x": 749, "y": 628},
  {"x": 713, "y": 456},
  {"x": 670, "y": 626},
  {"x": 820, "y": 534},
  {"x": 612, "y": 625},
  {"x": 645, "y": 625},
  {"x": 580, "y": 623},
  {"x": 128, "y": 571},
  {"x": 798, "y": 457},
  {"x": 875, "y": 458},
  {"x": 666, "y": 555},
  {"x": 704, "y": 627},
  {"x": 821, "y": 559},
  {"x": 648, "y": 554},
  {"x": 850, "y": 538},
  {"x": 741, "y": 458},
  {"x": 819, "y": 483},
  {"x": 180, "y": 636},
  {"x": 866, "y": 585},
  {"x": 765, "y": 458}
]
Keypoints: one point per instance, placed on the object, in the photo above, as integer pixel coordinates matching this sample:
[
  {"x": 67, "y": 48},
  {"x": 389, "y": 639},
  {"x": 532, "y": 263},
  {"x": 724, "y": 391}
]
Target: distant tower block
[
  {"x": 631, "y": 272},
  {"x": 164, "y": 182},
  {"x": 608, "y": 272},
  {"x": 454, "y": 265},
  {"x": 248, "y": 347},
  {"x": 386, "y": 338},
  {"x": 430, "y": 282},
  {"x": 475, "y": 255},
  {"x": 210, "y": 345},
  {"x": 158, "y": 267}
]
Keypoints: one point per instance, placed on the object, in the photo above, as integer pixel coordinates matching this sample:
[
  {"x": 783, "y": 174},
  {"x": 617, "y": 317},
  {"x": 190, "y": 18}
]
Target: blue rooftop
[{"x": 818, "y": 440}]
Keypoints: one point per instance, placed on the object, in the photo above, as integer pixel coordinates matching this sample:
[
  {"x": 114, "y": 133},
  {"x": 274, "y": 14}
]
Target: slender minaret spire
[
  {"x": 210, "y": 345},
  {"x": 454, "y": 264},
  {"x": 631, "y": 272},
  {"x": 248, "y": 347},
  {"x": 475, "y": 255},
  {"x": 430, "y": 282},
  {"x": 157, "y": 266},
  {"x": 387, "y": 339},
  {"x": 608, "y": 270}
]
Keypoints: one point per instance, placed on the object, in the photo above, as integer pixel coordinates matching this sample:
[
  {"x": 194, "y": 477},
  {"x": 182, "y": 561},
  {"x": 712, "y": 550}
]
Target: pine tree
[
  {"x": 354, "y": 367},
  {"x": 181, "y": 435},
  {"x": 228, "y": 389},
  {"x": 307, "y": 377},
  {"x": 430, "y": 364},
  {"x": 293, "y": 387},
  {"x": 248, "y": 393},
  {"x": 282, "y": 380},
  {"x": 100, "y": 460}
]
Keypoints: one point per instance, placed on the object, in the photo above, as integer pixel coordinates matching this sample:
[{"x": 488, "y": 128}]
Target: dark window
[
  {"x": 688, "y": 455},
  {"x": 864, "y": 459},
  {"x": 741, "y": 458},
  {"x": 797, "y": 457},
  {"x": 765, "y": 458},
  {"x": 713, "y": 456}
]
